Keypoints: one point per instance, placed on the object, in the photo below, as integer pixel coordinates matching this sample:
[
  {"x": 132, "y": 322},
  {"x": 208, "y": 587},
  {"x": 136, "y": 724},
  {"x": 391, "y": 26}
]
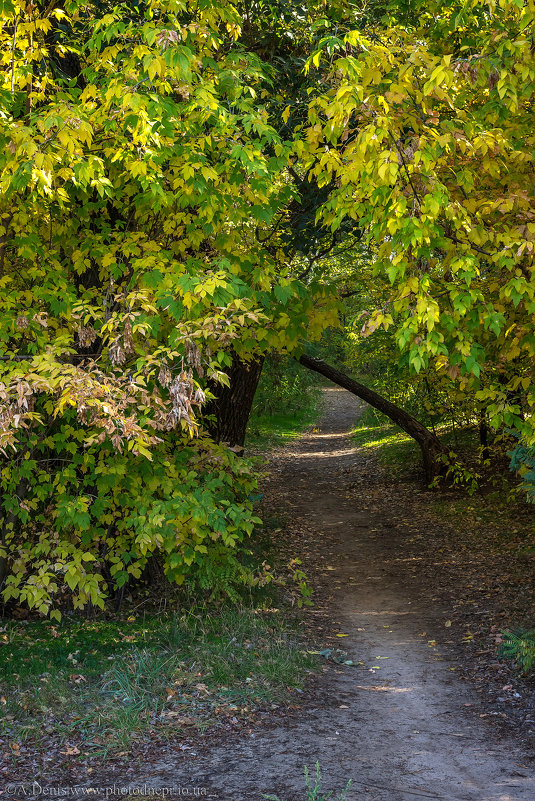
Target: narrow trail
[{"x": 397, "y": 725}]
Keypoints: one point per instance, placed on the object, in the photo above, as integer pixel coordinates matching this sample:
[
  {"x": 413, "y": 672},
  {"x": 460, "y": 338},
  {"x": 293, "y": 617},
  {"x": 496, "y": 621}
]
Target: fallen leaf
[{"x": 71, "y": 750}]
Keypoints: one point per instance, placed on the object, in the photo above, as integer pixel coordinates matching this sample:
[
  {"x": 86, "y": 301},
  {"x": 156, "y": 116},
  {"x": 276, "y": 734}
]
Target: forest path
[{"x": 397, "y": 725}]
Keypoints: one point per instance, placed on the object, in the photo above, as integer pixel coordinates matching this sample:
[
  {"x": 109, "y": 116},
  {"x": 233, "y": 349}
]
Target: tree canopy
[
  {"x": 426, "y": 132},
  {"x": 185, "y": 185}
]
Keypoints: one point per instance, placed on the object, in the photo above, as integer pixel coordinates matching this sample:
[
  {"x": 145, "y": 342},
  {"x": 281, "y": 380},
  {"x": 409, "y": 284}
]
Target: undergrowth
[
  {"x": 102, "y": 684},
  {"x": 520, "y": 647},
  {"x": 270, "y": 431},
  {"x": 390, "y": 444},
  {"x": 97, "y": 686},
  {"x": 468, "y": 470},
  {"x": 287, "y": 401}
]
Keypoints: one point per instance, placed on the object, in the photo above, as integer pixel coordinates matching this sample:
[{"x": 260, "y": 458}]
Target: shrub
[{"x": 519, "y": 646}]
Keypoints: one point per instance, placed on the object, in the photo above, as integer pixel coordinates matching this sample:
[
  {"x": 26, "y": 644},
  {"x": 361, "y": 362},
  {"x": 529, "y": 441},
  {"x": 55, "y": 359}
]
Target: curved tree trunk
[
  {"x": 428, "y": 442},
  {"x": 232, "y": 406}
]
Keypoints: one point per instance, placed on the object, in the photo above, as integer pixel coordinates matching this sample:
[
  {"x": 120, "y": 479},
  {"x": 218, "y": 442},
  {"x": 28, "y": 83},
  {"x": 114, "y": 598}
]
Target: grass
[
  {"x": 393, "y": 447},
  {"x": 314, "y": 790},
  {"x": 269, "y": 431},
  {"x": 396, "y": 449},
  {"x": 100, "y": 685}
]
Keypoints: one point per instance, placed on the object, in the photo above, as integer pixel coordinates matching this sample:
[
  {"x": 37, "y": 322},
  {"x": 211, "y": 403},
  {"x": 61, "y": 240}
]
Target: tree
[
  {"x": 171, "y": 210},
  {"x": 282, "y": 34},
  {"x": 133, "y": 264},
  {"x": 425, "y": 132},
  {"x": 429, "y": 444}
]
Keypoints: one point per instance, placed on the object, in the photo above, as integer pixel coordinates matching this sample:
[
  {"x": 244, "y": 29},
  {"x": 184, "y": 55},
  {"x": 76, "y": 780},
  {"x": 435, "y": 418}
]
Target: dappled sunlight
[
  {"x": 380, "y": 436},
  {"x": 383, "y": 688},
  {"x": 410, "y": 612},
  {"x": 341, "y": 435},
  {"x": 322, "y": 454},
  {"x": 408, "y": 559}
]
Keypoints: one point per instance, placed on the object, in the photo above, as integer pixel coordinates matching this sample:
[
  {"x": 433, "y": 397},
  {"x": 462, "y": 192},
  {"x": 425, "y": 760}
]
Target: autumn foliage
[{"x": 151, "y": 167}]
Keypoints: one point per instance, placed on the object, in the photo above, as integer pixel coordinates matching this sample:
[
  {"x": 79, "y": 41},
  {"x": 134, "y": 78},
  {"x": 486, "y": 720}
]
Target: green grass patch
[
  {"x": 395, "y": 449},
  {"x": 100, "y": 685},
  {"x": 267, "y": 431},
  {"x": 392, "y": 446}
]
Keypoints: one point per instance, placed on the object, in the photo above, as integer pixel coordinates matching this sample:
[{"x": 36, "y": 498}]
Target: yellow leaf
[{"x": 153, "y": 69}]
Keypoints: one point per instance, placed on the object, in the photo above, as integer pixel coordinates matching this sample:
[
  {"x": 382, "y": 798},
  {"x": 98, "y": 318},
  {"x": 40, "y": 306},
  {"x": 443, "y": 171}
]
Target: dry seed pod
[
  {"x": 128, "y": 341},
  {"x": 86, "y": 335},
  {"x": 164, "y": 376},
  {"x": 116, "y": 352}
]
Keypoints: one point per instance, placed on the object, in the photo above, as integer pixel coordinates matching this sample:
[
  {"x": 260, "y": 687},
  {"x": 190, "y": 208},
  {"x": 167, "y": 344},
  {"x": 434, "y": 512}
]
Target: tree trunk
[
  {"x": 428, "y": 442},
  {"x": 484, "y": 434},
  {"x": 232, "y": 406}
]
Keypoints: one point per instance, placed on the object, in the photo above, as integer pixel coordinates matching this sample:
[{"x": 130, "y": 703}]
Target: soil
[{"x": 408, "y": 717}]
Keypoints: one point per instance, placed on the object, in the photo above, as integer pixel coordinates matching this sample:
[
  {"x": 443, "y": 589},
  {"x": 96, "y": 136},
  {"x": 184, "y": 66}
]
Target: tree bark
[
  {"x": 428, "y": 442},
  {"x": 484, "y": 434},
  {"x": 232, "y": 406}
]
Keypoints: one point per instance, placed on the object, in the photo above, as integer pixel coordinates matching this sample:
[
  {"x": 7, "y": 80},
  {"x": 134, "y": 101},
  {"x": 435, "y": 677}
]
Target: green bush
[
  {"x": 91, "y": 522},
  {"x": 519, "y": 646}
]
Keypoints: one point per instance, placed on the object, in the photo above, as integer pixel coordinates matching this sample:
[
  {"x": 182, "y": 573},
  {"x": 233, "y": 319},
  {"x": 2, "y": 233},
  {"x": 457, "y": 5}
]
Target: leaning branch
[{"x": 428, "y": 442}]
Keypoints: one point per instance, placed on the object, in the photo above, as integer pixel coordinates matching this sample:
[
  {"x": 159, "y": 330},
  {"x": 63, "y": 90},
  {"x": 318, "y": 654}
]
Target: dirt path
[{"x": 399, "y": 725}]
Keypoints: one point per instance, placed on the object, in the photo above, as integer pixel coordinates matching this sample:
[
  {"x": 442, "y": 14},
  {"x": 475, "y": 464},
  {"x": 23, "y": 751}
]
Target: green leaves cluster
[
  {"x": 94, "y": 521},
  {"x": 142, "y": 181},
  {"x": 426, "y": 134}
]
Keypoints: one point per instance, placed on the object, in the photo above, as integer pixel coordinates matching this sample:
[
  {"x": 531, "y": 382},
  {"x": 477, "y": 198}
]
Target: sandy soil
[{"x": 401, "y": 724}]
